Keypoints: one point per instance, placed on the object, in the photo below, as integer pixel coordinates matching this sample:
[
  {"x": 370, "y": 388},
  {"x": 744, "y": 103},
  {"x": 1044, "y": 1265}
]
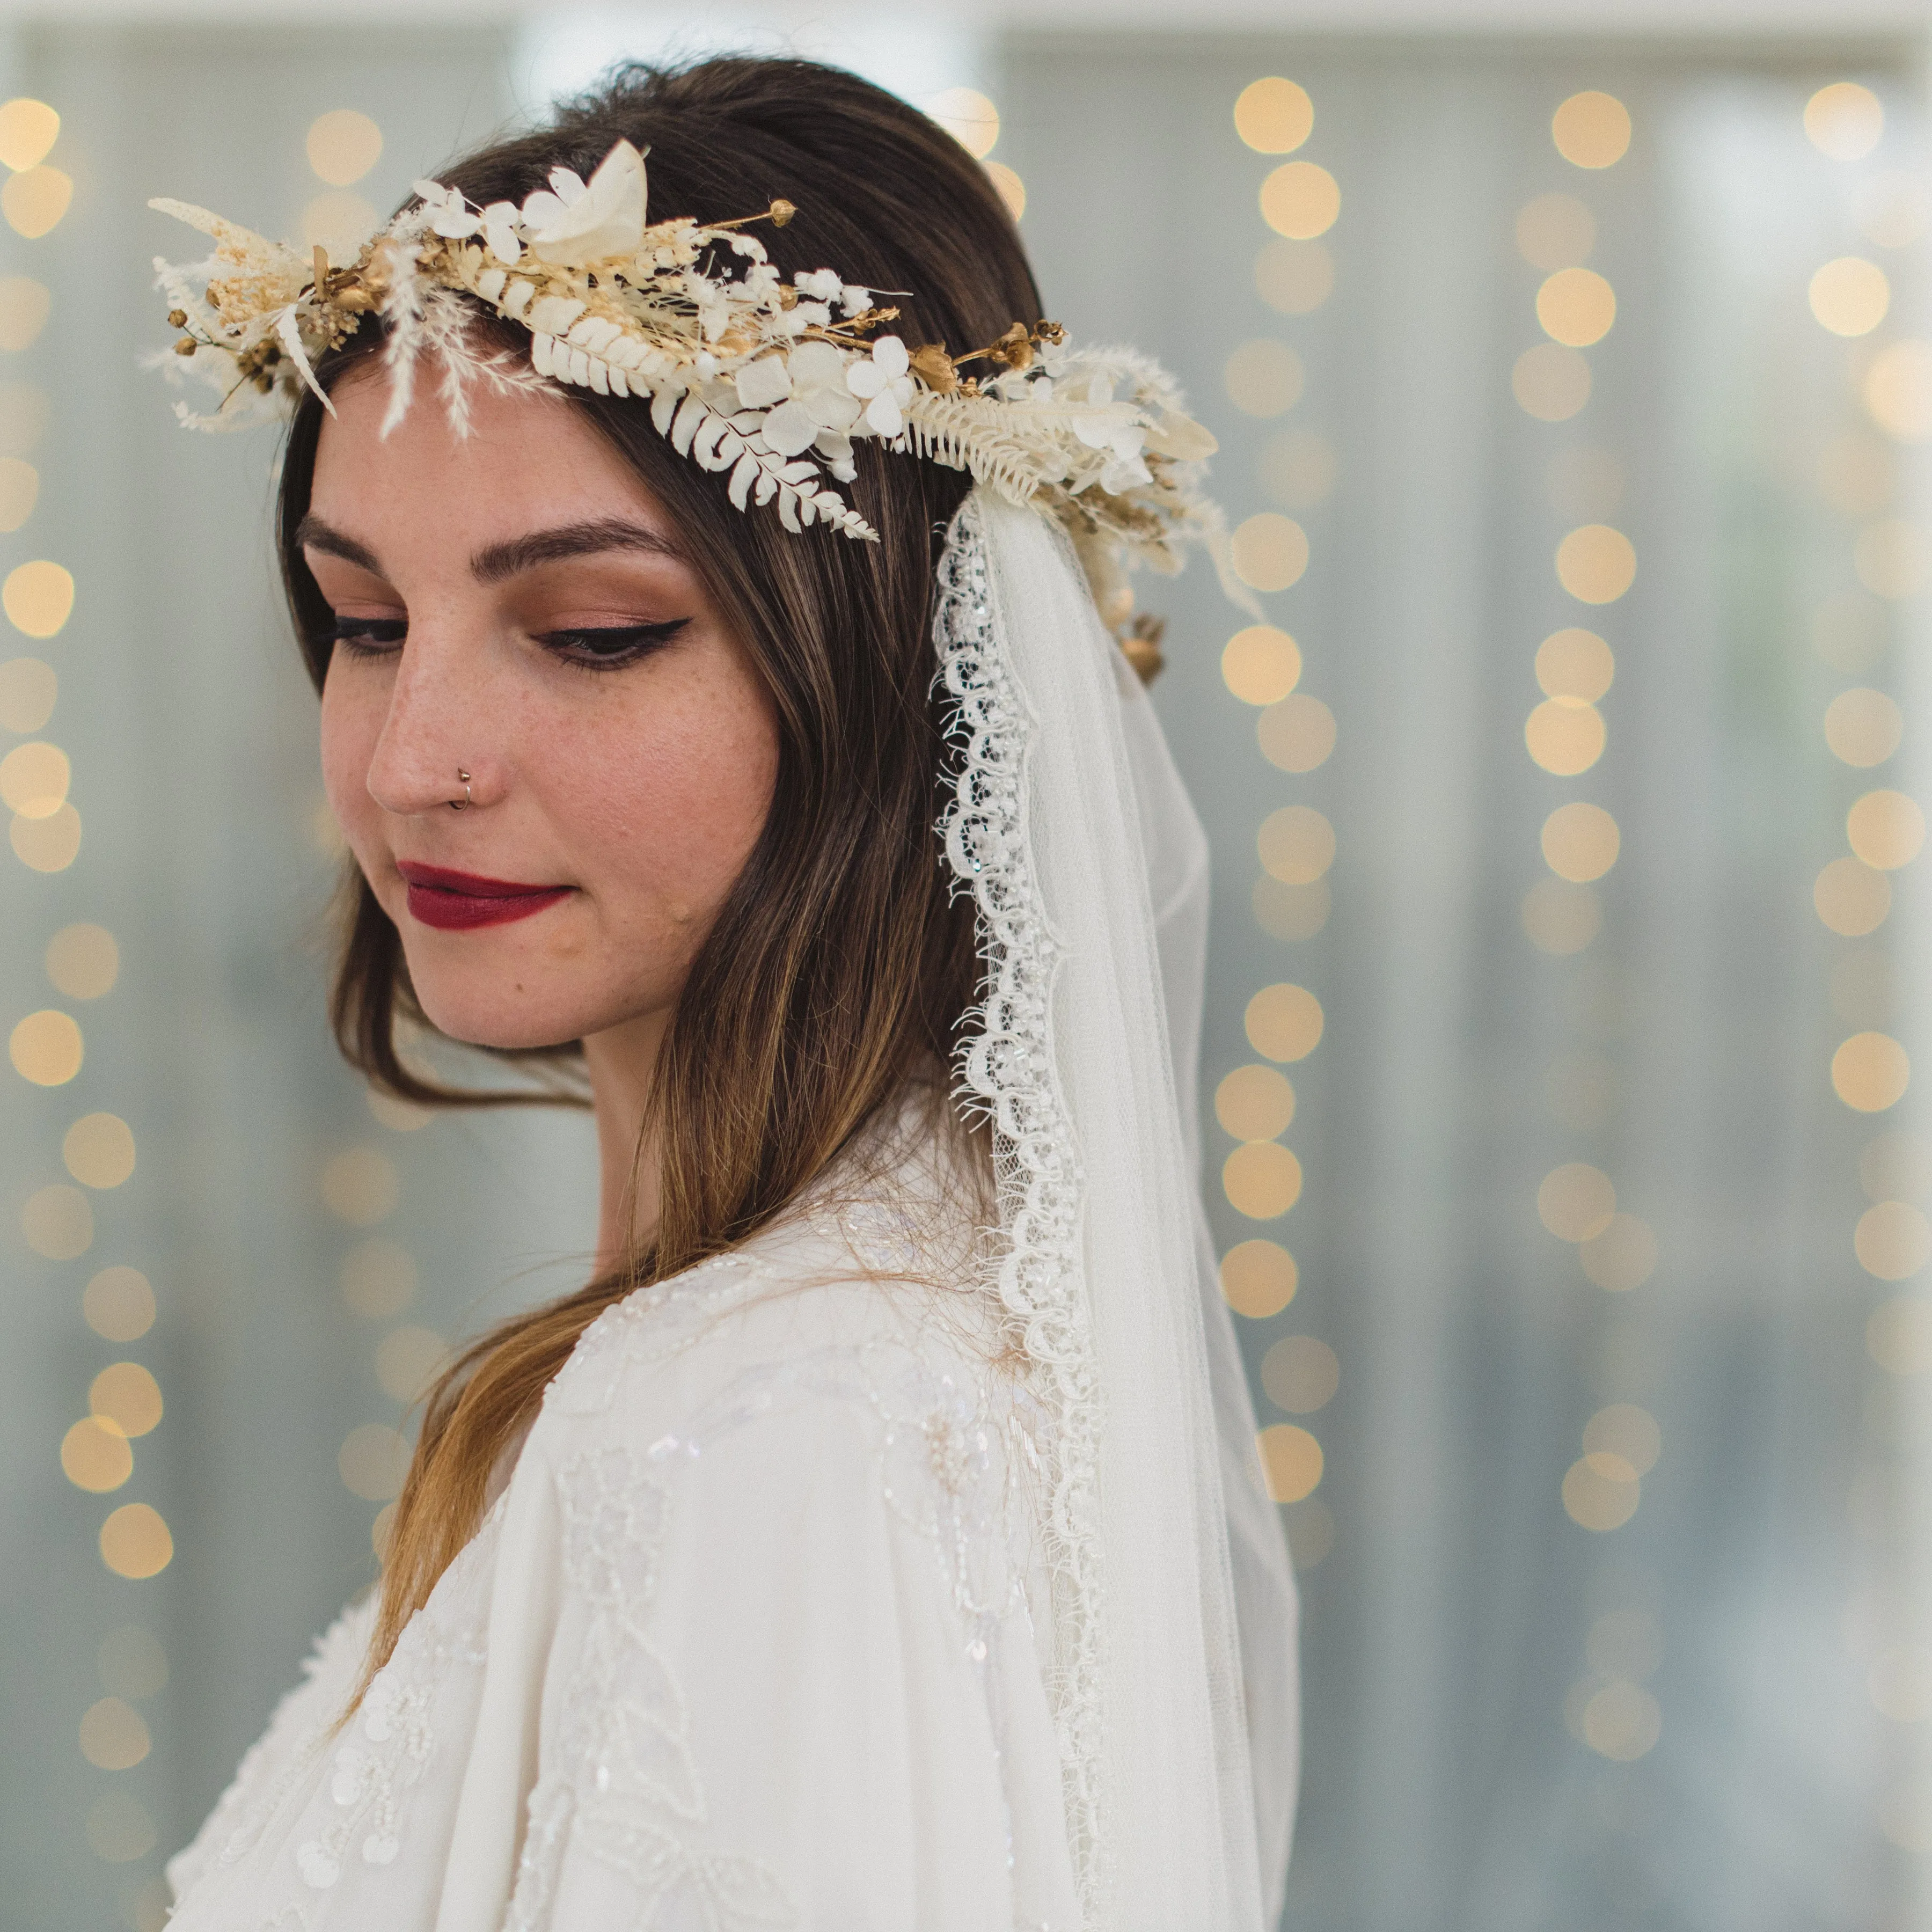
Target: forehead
[{"x": 522, "y": 457}]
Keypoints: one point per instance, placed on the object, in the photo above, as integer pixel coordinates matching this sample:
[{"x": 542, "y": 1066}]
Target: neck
[{"x": 621, "y": 1062}]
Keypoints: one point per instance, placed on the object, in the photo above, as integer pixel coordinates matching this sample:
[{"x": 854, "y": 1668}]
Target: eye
[
  {"x": 605, "y": 647},
  {"x": 368, "y": 637}
]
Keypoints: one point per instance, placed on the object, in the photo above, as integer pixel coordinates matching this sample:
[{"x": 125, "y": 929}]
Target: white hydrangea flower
[
  {"x": 822, "y": 284},
  {"x": 450, "y": 214},
  {"x": 820, "y": 400},
  {"x": 882, "y": 382},
  {"x": 498, "y": 222}
]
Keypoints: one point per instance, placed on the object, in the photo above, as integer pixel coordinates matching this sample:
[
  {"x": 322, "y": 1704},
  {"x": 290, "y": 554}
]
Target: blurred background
[{"x": 1571, "y": 368}]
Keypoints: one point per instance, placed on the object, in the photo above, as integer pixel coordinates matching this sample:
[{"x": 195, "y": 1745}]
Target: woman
[{"x": 877, "y": 1541}]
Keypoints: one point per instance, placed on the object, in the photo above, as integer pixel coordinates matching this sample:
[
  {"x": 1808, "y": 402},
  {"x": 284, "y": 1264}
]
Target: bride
[{"x": 877, "y": 1541}]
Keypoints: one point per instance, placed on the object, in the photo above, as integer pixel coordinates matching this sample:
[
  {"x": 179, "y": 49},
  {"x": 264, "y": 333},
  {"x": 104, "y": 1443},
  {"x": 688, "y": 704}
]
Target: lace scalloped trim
[{"x": 1007, "y": 1072}]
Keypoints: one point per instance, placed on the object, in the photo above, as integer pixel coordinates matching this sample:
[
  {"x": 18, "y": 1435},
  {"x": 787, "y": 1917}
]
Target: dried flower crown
[{"x": 770, "y": 381}]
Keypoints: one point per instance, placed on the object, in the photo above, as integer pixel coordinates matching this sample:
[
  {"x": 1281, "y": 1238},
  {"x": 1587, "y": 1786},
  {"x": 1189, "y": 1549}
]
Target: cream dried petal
[
  {"x": 789, "y": 429},
  {"x": 764, "y": 382}
]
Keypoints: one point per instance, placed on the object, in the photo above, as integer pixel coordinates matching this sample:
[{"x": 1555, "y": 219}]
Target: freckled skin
[{"x": 643, "y": 787}]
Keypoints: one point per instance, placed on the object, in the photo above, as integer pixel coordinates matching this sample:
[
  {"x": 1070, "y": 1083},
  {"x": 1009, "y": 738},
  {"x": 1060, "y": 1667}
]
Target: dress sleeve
[{"x": 793, "y": 1680}]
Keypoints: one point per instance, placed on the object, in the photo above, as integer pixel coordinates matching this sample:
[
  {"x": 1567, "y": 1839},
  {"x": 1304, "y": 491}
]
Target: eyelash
[{"x": 605, "y": 647}]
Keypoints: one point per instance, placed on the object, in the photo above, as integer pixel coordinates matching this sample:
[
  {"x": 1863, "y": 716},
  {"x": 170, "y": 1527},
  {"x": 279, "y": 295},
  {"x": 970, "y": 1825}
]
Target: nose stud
[{"x": 463, "y": 803}]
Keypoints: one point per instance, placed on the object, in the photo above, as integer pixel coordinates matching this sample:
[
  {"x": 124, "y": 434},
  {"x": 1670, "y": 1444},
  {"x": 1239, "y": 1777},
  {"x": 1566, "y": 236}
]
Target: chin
[{"x": 497, "y": 1008}]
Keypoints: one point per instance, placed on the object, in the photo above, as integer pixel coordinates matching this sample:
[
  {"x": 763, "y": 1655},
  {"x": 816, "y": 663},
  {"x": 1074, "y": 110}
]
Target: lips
[{"x": 455, "y": 902}]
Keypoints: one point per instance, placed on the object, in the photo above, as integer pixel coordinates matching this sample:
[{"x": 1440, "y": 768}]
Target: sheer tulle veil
[{"x": 1173, "y": 1603}]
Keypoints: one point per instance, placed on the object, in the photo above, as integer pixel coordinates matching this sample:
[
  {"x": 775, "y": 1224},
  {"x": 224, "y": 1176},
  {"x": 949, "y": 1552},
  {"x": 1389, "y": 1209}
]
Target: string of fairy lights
[
  {"x": 1299, "y": 202},
  {"x": 1887, "y": 385}
]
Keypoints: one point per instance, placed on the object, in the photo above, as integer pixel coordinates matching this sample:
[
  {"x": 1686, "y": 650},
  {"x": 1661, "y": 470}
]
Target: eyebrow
[{"x": 497, "y": 562}]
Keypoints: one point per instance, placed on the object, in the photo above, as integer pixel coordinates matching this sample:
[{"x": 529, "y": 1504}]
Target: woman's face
[{"x": 515, "y": 607}]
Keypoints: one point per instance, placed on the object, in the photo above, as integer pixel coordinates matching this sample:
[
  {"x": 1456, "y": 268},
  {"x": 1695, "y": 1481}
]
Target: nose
[{"x": 435, "y": 748}]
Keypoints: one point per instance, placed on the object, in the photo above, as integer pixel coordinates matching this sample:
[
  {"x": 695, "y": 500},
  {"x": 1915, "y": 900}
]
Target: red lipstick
[{"x": 454, "y": 902}]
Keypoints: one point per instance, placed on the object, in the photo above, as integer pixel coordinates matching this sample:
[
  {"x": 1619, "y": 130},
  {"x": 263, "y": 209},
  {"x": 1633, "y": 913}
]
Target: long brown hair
[{"x": 841, "y": 964}]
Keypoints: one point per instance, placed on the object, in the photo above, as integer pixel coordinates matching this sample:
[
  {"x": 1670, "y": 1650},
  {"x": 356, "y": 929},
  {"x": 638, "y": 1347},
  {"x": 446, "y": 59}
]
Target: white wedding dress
[{"x": 909, "y": 1569}]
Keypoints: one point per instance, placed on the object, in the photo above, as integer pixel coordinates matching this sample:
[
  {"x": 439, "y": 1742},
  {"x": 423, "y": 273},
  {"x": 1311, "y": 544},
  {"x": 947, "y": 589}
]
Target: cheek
[{"x": 352, "y": 722}]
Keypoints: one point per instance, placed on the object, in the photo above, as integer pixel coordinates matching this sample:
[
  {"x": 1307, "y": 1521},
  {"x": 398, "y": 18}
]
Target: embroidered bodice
[{"x": 754, "y": 1636}]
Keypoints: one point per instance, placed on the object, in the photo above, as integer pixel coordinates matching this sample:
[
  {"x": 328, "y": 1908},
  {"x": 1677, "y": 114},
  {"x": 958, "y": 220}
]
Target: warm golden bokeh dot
[
  {"x": 1576, "y": 307},
  {"x": 99, "y": 1150},
  {"x": 1890, "y": 558},
  {"x": 35, "y": 200},
  {"x": 1886, "y": 829},
  {"x": 343, "y": 146},
  {"x": 1284, "y": 1022},
  {"x": 1273, "y": 116},
  {"x": 1561, "y": 918},
  {"x": 1262, "y": 1179},
  {"x": 1896, "y": 1167},
  {"x": 1870, "y": 1073},
  {"x": 1597, "y": 1501},
  {"x": 1296, "y": 844},
  {"x": 1300, "y": 1374},
  {"x": 19, "y": 491},
  {"x": 45, "y": 1048},
  {"x": 1261, "y": 665},
  {"x": 361, "y": 1186},
  {"x": 1258, "y": 1278},
  {"x": 95, "y": 1457},
  {"x": 37, "y": 597},
  {"x": 135, "y": 1542},
  {"x": 1297, "y": 468},
  {"x": 1270, "y": 551},
  {"x": 1555, "y": 231},
  {"x": 1621, "y": 1255},
  {"x": 127, "y": 1397},
  {"x": 27, "y": 690},
  {"x": 1290, "y": 913},
  {"x": 1293, "y": 277},
  {"x": 1576, "y": 1200},
  {"x": 1622, "y": 1722},
  {"x": 406, "y": 1360},
  {"x": 1898, "y": 1336},
  {"x": 112, "y": 1736},
  {"x": 1300, "y": 200},
  {"x": 379, "y": 1279},
  {"x": 1575, "y": 664},
  {"x": 1580, "y": 841},
  {"x": 970, "y": 117},
  {"x": 1255, "y": 1103},
  {"x": 83, "y": 961},
  {"x": 1863, "y": 727},
  {"x": 1292, "y": 1460},
  {"x": 118, "y": 1304},
  {"x": 58, "y": 1222},
  {"x": 1849, "y": 295},
  {"x": 1008, "y": 187},
  {"x": 1591, "y": 130},
  {"x": 1844, "y": 120},
  {"x": 1897, "y": 390},
  {"x": 1626, "y": 1432},
  {"x": 1296, "y": 734},
  {"x": 47, "y": 845},
  {"x": 34, "y": 779},
  {"x": 1263, "y": 377},
  {"x": 373, "y": 1461},
  {"x": 28, "y": 129},
  {"x": 1893, "y": 1239},
  {"x": 24, "y": 306},
  {"x": 1851, "y": 899},
  {"x": 1563, "y": 736},
  {"x": 1596, "y": 564},
  {"x": 1551, "y": 382}
]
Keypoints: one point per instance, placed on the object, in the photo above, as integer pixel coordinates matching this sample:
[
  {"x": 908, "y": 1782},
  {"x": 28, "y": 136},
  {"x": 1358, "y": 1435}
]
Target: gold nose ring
[{"x": 463, "y": 803}]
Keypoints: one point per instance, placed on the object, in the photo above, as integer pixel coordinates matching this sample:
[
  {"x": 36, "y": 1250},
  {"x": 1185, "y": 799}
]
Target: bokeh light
[
  {"x": 1258, "y": 1278},
  {"x": 1893, "y": 1239},
  {"x": 1591, "y": 130},
  {"x": 1844, "y": 120},
  {"x": 1300, "y": 1374},
  {"x": 1563, "y": 736},
  {"x": 1580, "y": 841},
  {"x": 1284, "y": 1022},
  {"x": 1273, "y": 116},
  {"x": 28, "y": 688},
  {"x": 1622, "y": 1722},
  {"x": 1551, "y": 382},
  {"x": 1596, "y": 564},
  {"x": 1596, "y": 1501},
  {"x": 372, "y": 1461},
  {"x": 95, "y": 1457},
  {"x": 47, "y": 845},
  {"x": 1897, "y": 390},
  {"x": 1292, "y": 1460},
  {"x": 1270, "y": 551},
  {"x": 1851, "y": 898},
  {"x": 1622, "y": 1255},
  {"x": 1870, "y": 1072},
  {"x": 1296, "y": 845},
  {"x": 1254, "y": 1103},
  {"x": 968, "y": 115},
  {"x": 1008, "y": 187},
  {"x": 343, "y": 145},
  {"x": 28, "y": 129},
  {"x": 1290, "y": 913},
  {"x": 1886, "y": 829},
  {"x": 126, "y": 1397},
  {"x": 57, "y": 1222},
  {"x": 1296, "y": 734},
  {"x": 1300, "y": 199},
  {"x": 118, "y": 1304},
  {"x": 112, "y": 1736},
  {"x": 83, "y": 961},
  {"x": 37, "y": 598},
  {"x": 135, "y": 1542},
  {"x": 1576, "y": 1200},
  {"x": 34, "y": 201},
  {"x": 1849, "y": 295},
  {"x": 1623, "y": 1434},
  {"x": 34, "y": 779},
  {"x": 45, "y": 1048},
  {"x": 1576, "y": 307},
  {"x": 1260, "y": 664},
  {"x": 19, "y": 491},
  {"x": 1262, "y": 1179},
  {"x": 1863, "y": 727},
  {"x": 1575, "y": 664},
  {"x": 99, "y": 1150},
  {"x": 338, "y": 222}
]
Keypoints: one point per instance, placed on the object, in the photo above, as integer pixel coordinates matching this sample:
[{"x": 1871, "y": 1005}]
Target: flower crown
[{"x": 771, "y": 381}]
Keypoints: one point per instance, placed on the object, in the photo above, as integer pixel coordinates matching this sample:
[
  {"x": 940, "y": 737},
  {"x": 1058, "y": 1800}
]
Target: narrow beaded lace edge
[{"x": 1007, "y": 1074}]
